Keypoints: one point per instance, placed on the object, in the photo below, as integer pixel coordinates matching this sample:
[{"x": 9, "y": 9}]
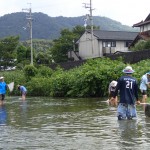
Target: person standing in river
[
  {"x": 3, "y": 89},
  {"x": 128, "y": 90},
  {"x": 111, "y": 91},
  {"x": 144, "y": 85},
  {"x": 23, "y": 91}
]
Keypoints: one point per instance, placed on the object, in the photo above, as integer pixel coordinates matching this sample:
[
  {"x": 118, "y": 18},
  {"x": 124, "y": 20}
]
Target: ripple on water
[{"x": 72, "y": 124}]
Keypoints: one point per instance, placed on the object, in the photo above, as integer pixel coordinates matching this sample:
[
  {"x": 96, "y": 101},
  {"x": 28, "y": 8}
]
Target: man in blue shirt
[
  {"x": 3, "y": 88},
  {"x": 128, "y": 90},
  {"x": 144, "y": 85}
]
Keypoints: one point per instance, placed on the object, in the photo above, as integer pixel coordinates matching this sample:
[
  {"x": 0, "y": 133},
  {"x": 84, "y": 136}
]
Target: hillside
[{"x": 46, "y": 27}]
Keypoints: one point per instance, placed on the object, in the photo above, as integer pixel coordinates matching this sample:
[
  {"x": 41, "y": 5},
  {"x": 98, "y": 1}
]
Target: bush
[
  {"x": 30, "y": 71},
  {"x": 45, "y": 71},
  {"x": 39, "y": 87},
  {"x": 141, "y": 45},
  {"x": 90, "y": 79}
]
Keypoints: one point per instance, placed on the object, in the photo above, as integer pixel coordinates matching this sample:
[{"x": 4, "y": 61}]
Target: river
[{"x": 69, "y": 124}]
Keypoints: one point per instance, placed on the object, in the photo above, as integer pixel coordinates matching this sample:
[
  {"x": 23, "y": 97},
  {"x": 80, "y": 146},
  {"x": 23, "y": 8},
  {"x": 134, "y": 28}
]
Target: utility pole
[
  {"x": 29, "y": 18},
  {"x": 91, "y": 22}
]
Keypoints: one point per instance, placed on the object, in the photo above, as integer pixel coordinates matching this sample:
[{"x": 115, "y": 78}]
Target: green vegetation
[
  {"x": 44, "y": 51},
  {"x": 141, "y": 45},
  {"x": 8, "y": 47},
  {"x": 89, "y": 80},
  {"x": 39, "y": 45}
]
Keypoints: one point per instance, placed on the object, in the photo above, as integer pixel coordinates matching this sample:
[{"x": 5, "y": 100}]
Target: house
[
  {"x": 104, "y": 43},
  {"x": 144, "y": 31}
]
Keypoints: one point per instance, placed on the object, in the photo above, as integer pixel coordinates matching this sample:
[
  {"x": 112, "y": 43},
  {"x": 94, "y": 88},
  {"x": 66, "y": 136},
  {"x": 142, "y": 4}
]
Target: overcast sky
[{"x": 128, "y": 12}]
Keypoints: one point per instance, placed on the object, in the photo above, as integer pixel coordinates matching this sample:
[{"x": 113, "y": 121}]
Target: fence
[
  {"x": 132, "y": 57},
  {"x": 128, "y": 57}
]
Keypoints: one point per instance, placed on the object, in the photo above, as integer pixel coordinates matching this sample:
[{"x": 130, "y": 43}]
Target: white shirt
[{"x": 144, "y": 82}]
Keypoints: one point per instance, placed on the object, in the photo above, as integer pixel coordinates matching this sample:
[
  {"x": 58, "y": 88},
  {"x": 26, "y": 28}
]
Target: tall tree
[
  {"x": 62, "y": 46},
  {"x": 43, "y": 58},
  {"x": 8, "y": 48},
  {"x": 21, "y": 53}
]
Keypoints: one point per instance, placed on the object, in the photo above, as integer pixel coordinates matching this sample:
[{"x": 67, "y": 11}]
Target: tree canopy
[{"x": 8, "y": 47}]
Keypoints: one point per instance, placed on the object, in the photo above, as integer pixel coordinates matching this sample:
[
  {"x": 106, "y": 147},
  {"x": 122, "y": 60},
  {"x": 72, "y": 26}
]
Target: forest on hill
[{"x": 49, "y": 28}]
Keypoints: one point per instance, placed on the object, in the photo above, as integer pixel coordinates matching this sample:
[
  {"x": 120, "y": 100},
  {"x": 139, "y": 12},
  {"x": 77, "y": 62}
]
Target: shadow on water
[
  {"x": 3, "y": 115},
  {"x": 70, "y": 124}
]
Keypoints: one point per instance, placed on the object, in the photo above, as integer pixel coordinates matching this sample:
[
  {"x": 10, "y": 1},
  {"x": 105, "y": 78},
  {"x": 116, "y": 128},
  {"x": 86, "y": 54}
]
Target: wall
[
  {"x": 85, "y": 47},
  {"x": 120, "y": 46},
  {"x": 145, "y": 28},
  {"x": 130, "y": 57}
]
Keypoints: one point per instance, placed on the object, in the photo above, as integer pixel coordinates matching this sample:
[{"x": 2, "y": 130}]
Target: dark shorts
[
  {"x": 144, "y": 92},
  {"x": 2, "y": 97},
  {"x": 23, "y": 93},
  {"x": 112, "y": 93}
]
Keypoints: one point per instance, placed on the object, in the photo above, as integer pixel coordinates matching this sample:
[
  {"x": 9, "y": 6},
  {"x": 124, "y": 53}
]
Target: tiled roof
[
  {"x": 146, "y": 21},
  {"x": 114, "y": 35},
  {"x": 141, "y": 23}
]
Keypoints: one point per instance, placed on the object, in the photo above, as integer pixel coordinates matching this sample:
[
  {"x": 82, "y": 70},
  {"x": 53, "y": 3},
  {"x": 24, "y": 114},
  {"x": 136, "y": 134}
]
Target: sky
[{"x": 128, "y": 12}]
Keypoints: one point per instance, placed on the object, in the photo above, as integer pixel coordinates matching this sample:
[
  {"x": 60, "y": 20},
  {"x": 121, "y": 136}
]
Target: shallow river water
[{"x": 69, "y": 124}]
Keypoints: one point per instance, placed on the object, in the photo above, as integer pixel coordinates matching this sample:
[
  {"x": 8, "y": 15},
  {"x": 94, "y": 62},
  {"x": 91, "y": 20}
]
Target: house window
[
  {"x": 109, "y": 43},
  {"x": 127, "y": 43}
]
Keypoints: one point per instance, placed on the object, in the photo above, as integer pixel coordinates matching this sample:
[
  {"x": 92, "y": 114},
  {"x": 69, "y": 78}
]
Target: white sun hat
[
  {"x": 128, "y": 70},
  {"x": 113, "y": 83}
]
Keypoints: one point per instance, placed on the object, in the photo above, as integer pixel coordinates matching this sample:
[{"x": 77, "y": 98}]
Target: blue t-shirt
[
  {"x": 23, "y": 89},
  {"x": 3, "y": 87},
  {"x": 128, "y": 89}
]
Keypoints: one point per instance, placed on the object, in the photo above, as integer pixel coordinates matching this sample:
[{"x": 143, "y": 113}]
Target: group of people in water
[
  {"x": 4, "y": 87},
  {"x": 127, "y": 88}
]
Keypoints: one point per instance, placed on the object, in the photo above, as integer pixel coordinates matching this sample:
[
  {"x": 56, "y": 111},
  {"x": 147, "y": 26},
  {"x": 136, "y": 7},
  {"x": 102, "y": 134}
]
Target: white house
[{"x": 104, "y": 43}]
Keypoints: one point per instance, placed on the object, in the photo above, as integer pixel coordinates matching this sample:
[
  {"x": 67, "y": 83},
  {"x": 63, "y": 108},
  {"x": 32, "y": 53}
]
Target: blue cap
[{"x": 148, "y": 73}]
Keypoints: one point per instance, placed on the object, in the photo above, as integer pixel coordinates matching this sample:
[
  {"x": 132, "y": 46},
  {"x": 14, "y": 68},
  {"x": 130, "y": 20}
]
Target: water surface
[{"x": 69, "y": 124}]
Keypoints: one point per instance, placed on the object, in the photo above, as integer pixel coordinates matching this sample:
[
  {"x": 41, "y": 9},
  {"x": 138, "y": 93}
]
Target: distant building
[
  {"x": 144, "y": 30},
  {"x": 104, "y": 43}
]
